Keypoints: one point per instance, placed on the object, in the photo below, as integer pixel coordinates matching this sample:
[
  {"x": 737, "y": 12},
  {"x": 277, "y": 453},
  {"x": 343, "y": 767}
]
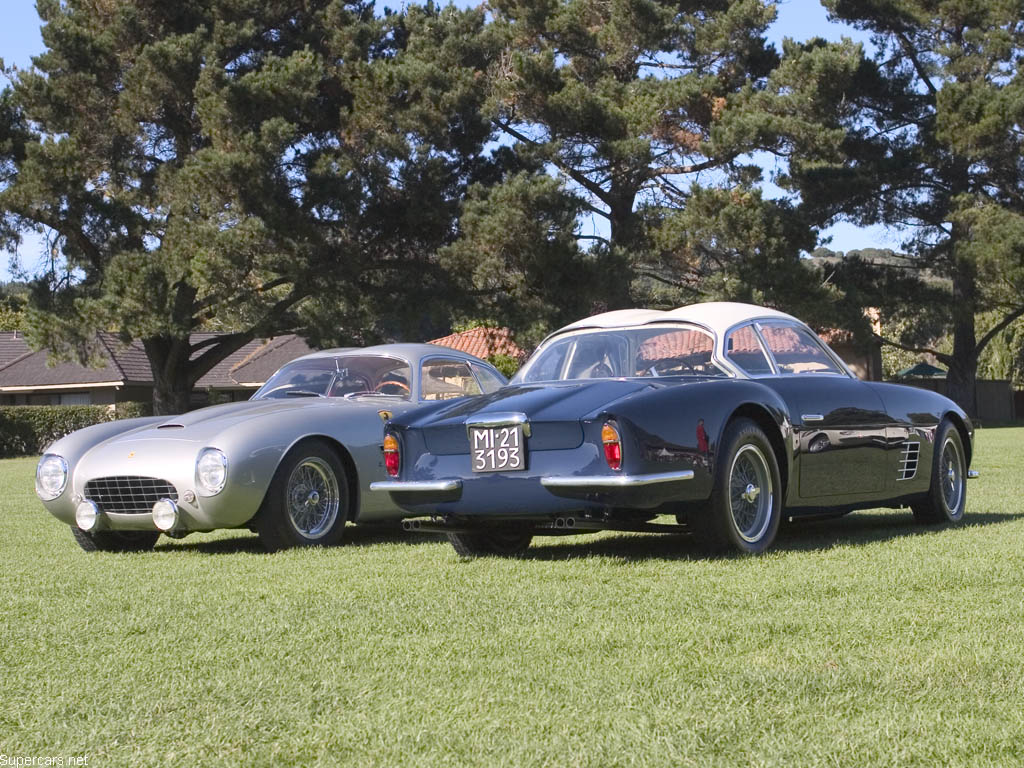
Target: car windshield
[
  {"x": 338, "y": 377},
  {"x": 629, "y": 352}
]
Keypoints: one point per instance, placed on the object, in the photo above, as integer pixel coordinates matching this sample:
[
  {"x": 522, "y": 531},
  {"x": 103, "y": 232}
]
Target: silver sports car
[{"x": 294, "y": 463}]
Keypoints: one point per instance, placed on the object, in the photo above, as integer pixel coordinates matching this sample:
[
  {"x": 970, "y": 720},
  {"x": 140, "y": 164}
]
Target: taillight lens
[
  {"x": 612, "y": 445},
  {"x": 392, "y": 459}
]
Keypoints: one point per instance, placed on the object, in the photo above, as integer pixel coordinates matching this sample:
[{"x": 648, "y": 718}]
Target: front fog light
[
  {"x": 51, "y": 476},
  {"x": 165, "y": 514},
  {"x": 211, "y": 471},
  {"x": 87, "y": 515}
]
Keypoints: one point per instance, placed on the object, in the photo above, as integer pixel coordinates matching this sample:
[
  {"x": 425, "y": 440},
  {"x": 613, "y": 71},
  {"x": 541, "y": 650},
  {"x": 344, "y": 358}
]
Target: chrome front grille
[
  {"x": 129, "y": 494},
  {"x": 908, "y": 460}
]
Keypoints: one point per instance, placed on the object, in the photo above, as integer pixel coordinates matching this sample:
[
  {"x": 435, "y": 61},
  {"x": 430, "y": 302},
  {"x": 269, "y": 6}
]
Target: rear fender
[{"x": 681, "y": 427}]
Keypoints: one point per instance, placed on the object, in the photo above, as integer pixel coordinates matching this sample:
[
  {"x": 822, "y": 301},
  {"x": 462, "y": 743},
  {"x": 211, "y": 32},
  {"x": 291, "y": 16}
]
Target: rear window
[{"x": 627, "y": 352}]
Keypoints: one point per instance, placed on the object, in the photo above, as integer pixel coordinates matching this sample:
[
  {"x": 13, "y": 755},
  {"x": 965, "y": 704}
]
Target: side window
[
  {"x": 547, "y": 366},
  {"x": 796, "y": 350},
  {"x": 487, "y": 379},
  {"x": 597, "y": 356},
  {"x": 744, "y": 350},
  {"x": 446, "y": 380}
]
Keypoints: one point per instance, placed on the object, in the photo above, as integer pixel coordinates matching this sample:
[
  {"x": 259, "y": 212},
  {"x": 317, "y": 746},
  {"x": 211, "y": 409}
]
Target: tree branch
[
  {"x": 998, "y": 328},
  {"x": 572, "y": 173},
  {"x": 911, "y": 54},
  {"x": 940, "y": 356},
  {"x": 209, "y": 301},
  {"x": 675, "y": 170}
]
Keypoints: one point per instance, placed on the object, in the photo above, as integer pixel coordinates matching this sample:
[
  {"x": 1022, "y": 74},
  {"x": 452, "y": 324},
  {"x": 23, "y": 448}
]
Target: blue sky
[{"x": 799, "y": 19}]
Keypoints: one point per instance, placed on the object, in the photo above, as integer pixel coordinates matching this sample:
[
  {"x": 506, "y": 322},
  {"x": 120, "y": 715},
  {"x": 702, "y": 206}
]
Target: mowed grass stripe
[{"x": 865, "y": 640}]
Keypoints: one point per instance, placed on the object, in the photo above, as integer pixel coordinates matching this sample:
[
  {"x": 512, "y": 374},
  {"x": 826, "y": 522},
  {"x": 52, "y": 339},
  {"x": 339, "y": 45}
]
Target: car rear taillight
[
  {"x": 392, "y": 458},
  {"x": 612, "y": 445}
]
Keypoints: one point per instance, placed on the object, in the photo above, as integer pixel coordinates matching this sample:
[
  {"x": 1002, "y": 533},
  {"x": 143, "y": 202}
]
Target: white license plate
[{"x": 497, "y": 449}]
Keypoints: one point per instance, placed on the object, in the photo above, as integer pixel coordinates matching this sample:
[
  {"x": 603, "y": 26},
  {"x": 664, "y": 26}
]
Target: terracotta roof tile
[
  {"x": 675, "y": 344},
  {"x": 483, "y": 342}
]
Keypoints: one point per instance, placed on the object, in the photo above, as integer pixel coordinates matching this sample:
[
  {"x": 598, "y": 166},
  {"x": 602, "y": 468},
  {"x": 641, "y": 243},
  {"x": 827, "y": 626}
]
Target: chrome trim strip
[
  {"x": 497, "y": 420},
  {"x": 615, "y": 481},
  {"x": 809, "y": 417},
  {"x": 973, "y": 474},
  {"x": 416, "y": 486}
]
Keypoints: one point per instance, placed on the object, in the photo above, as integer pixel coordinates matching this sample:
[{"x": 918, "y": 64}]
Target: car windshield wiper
[{"x": 303, "y": 393}]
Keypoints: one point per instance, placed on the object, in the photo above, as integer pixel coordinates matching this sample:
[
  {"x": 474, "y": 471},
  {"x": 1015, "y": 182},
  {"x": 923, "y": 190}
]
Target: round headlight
[
  {"x": 211, "y": 471},
  {"x": 165, "y": 514},
  {"x": 87, "y": 515},
  {"x": 51, "y": 476}
]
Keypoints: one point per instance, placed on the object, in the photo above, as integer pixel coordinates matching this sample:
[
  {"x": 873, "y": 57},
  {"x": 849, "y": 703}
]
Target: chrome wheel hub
[{"x": 750, "y": 495}]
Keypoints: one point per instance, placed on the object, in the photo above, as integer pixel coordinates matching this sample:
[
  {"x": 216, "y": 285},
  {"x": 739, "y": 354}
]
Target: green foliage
[
  {"x": 264, "y": 167},
  {"x": 1003, "y": 358},
  {"x": 28, "y": 429},
  {"x": 507, "y": 364},
  {"x": 519, "y": 259},
  {"x": 647, "y": 112},
  {"x": 12, "y": 307},
  {"x": 932, "y": 145}
]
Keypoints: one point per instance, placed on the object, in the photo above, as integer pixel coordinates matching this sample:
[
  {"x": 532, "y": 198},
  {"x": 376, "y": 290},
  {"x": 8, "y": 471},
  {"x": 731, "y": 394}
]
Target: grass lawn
[{"x": 862, "y": 641}]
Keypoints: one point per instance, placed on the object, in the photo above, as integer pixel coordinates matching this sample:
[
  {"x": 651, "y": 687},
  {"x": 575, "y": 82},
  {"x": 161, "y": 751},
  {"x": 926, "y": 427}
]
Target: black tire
[
  {"x": 746, "y": 501},
  {"x": 947, "y": 494},
  {"x": 115, "y": 541},
  {"x": 502, "y": 542},
  {"x": 307, "y": 503}
]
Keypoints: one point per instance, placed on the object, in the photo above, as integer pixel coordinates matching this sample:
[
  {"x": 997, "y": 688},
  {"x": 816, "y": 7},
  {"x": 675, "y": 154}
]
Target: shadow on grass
[
  {"x": 805, "y": 536},
  {"x": 245, "y": 542}
]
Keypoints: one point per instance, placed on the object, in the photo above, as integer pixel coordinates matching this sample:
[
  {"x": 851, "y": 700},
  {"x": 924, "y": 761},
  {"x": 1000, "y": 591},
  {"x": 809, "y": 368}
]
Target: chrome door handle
[{"x": 809, "y": 417}]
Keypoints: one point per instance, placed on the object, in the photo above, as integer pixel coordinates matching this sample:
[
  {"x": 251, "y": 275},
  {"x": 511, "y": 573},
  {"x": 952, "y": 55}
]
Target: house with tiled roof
[
  {"x": 483, "y": 342},
  {"x": 12, "y": 347},
  {"x": 123, "y": 372}
]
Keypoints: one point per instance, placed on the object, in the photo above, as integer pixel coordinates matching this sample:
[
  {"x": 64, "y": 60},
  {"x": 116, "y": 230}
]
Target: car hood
[{"x": 205, "y": 423}]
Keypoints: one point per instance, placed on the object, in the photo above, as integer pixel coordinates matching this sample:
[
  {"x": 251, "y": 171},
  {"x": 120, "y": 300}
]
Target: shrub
[
  {"x": 27, "y": 429},
  {"x": 507, "y": 364}
]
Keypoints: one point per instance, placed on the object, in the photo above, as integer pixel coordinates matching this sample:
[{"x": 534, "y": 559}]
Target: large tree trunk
[
  {"x": 622, "y": 221},
  {"x": 172, "y": 375},
  {"x": 961, "y": 380}
]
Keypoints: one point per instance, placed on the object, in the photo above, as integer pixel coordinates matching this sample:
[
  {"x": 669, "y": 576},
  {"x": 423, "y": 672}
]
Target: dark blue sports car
[{"x": 727, "y": 416}]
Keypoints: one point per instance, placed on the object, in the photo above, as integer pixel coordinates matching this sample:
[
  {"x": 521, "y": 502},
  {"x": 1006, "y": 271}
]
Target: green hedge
[{"x": 26, "y": 430}]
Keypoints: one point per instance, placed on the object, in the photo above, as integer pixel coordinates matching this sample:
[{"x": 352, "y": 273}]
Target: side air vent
[
  {"x": 908, "y": 460},
  {"x": 171, "y": 426}
]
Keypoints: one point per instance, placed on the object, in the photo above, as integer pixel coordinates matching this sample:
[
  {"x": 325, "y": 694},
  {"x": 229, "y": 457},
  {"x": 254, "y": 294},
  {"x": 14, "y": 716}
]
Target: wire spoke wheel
[
  {"x": 312, "y": 497},
  {"x": 946, "y": 500},
  {"x": 750, "y": 493},
  {"x": 745, "y": 507},
  {"x": 951, "y": 474}
]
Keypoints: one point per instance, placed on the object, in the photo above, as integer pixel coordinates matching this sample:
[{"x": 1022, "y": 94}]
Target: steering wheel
[{"x": 383, "y": 387}]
